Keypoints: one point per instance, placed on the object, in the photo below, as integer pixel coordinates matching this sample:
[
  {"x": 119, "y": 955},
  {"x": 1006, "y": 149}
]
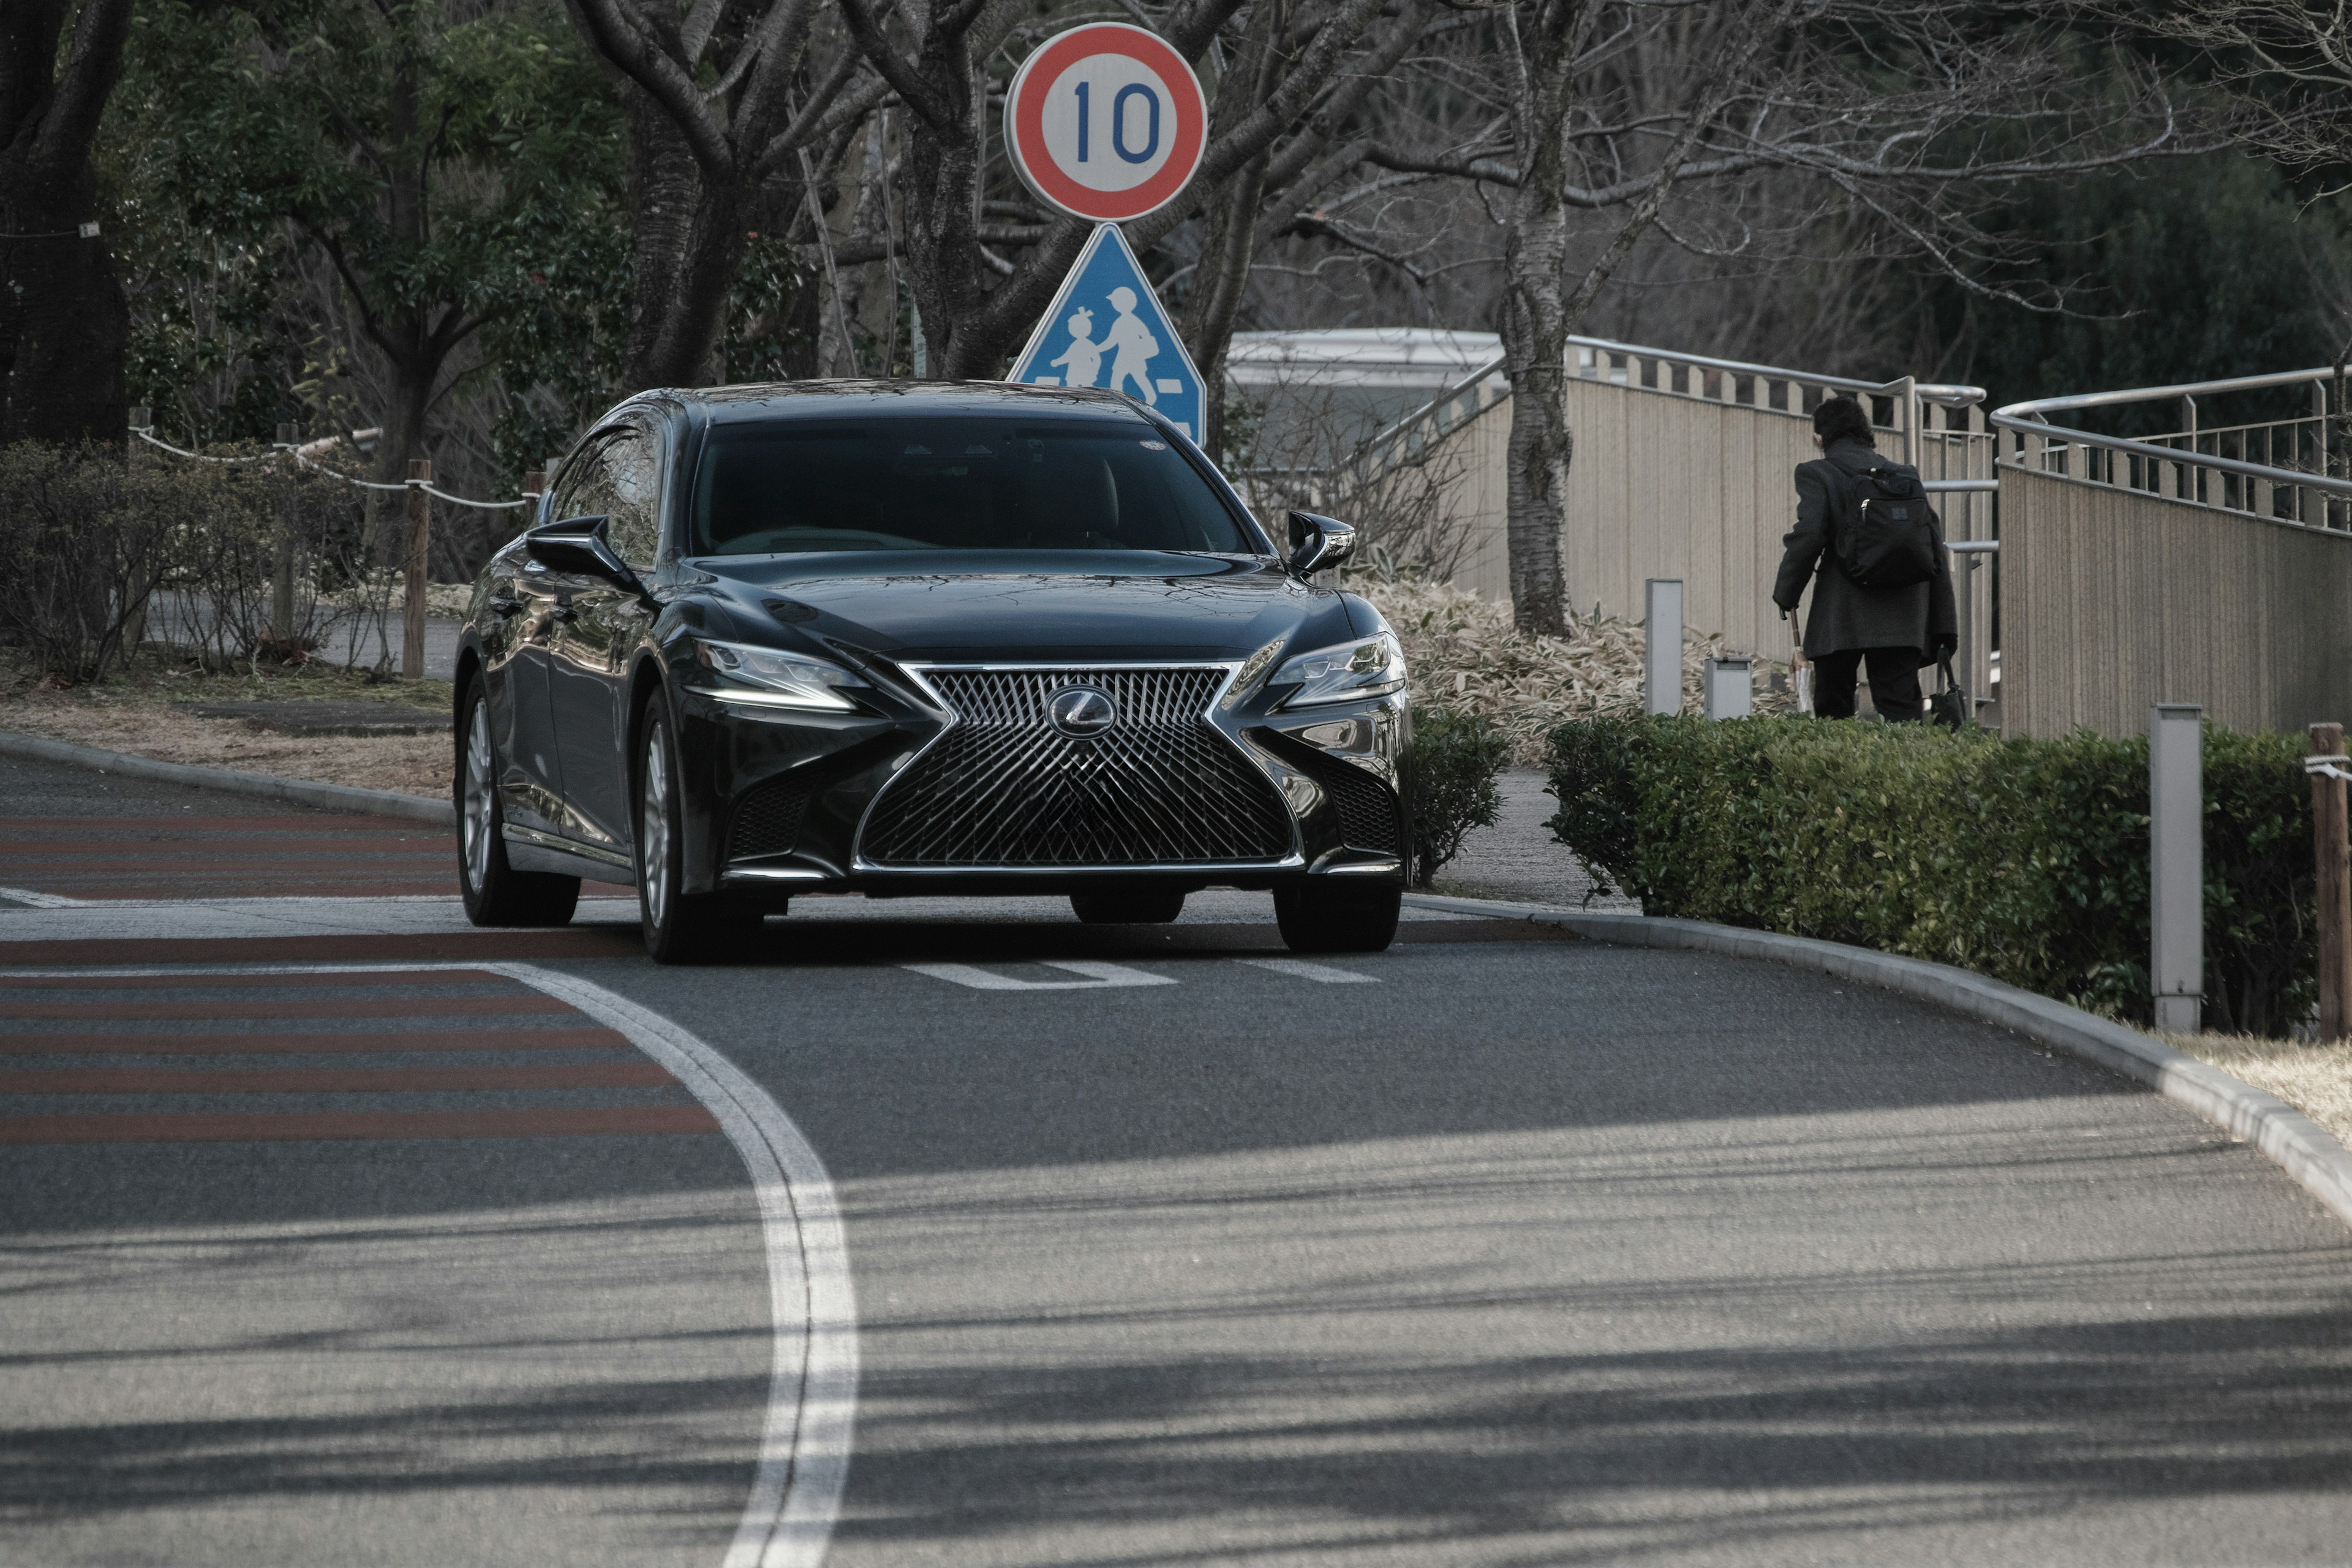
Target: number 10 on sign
[{"x": 1105, "y": 121}]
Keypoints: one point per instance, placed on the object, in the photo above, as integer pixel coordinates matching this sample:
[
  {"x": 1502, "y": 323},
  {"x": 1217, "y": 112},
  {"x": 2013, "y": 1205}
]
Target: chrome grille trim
[{"x": 997, "y": 790}]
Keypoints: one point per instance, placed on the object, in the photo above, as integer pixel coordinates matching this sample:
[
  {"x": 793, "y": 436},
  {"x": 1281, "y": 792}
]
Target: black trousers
[{"x": 1893, "y": 683}]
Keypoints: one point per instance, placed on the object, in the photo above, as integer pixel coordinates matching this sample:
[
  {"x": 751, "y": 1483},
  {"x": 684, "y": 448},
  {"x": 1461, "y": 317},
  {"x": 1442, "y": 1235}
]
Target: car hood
[{"x": 953, "y": 606}]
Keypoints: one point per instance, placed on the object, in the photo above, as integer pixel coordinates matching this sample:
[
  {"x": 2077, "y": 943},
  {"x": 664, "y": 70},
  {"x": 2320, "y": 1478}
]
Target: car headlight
[
  {"x": 1368, "y": 667},
  {"x": 771, "y": 677}
]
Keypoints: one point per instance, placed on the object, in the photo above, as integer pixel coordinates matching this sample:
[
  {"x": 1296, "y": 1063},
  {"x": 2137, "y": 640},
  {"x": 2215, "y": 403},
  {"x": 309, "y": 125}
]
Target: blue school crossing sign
[{"x": 1107, "y": 328}]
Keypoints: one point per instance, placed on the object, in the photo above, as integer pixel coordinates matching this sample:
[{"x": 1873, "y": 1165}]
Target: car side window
[
  {"x": 564, "y": 502},
  {"x": 632, "y": 466},
  {"x": 620, "y": 477}
]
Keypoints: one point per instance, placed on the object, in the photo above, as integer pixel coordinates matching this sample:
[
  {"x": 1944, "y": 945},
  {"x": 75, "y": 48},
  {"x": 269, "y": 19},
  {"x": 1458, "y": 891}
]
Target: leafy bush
[
  {"x": 1465, "y": 654},
  {"x": 86, "y": 538},
  {"x": 105, "y": 547},
  {"x": 2023, "y": 861},
  {"x": 1450, "y": 770}
]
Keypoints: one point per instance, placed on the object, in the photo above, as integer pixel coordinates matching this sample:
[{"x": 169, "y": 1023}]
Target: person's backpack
[{"x": 1882, "y": 534}]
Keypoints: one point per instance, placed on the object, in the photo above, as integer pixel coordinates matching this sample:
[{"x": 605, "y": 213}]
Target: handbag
[{"x": 1949, "y": 706}]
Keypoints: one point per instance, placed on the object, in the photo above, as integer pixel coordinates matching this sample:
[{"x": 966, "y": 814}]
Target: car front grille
[
  {"x": 1161, "y": 786},
  {"x": 767, "y": 819}
]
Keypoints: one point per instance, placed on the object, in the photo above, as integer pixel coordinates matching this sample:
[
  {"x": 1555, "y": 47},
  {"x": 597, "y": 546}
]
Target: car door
[
  {"x": 599, "y": 625},
  {"x": 525, "y": 597}
]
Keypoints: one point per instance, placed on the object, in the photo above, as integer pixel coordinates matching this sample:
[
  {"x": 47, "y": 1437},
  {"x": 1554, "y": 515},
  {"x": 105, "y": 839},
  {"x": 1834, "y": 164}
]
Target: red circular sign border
[{"x": 1025, "y": 116}]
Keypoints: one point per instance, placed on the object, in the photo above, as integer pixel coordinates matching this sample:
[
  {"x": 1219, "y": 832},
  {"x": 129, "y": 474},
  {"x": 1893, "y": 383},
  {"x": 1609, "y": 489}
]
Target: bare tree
[
  {"x": 1886, "y": 108},
  {"x": 1292, "y": 74},
  {"x": 2285, "y": 67},
  {"x": 722, "y": 101},
  {"x": 63, "y": 320}
]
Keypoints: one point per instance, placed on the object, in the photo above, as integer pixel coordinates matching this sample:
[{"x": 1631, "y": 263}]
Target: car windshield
[{"x": 955, "y": 483}]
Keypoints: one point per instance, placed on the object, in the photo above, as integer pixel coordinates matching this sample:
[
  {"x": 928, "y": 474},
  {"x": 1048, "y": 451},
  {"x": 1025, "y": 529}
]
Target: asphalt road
[{"x": 1165, "y": 1248}]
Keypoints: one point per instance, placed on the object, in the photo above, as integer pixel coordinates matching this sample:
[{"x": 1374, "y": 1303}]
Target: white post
[
  {"x": 1662, "y": 619},
  {"x": 1730, "y": 688},
  {"x": 2176, "y": 827}
]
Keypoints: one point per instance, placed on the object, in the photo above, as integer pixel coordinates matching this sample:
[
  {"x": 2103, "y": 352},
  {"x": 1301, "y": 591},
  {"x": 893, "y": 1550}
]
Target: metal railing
[{"x": 2194, "y": 463}]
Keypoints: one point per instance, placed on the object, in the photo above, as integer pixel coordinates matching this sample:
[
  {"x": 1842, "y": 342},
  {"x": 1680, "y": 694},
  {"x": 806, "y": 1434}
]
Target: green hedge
[
  {"x": 1450, "y": 770},
  {"x": 2024, "y": 860}
]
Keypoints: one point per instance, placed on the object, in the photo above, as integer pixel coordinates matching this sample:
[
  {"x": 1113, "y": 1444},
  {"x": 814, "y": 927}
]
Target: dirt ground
[
  {"x": 130, "y": 711},
  {"x": 2315, "y": 1079}
]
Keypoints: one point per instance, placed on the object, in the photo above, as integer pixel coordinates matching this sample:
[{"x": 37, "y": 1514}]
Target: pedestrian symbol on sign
[{"x": 1107, "y": 328}]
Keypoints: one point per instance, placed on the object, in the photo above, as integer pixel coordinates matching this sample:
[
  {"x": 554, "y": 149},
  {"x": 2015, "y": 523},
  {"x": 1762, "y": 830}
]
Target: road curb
[
  {"x": 333, "y": 797},
  {"x": 2295, "y": 1143}
]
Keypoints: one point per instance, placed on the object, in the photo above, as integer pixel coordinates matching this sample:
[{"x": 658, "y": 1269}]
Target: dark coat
[{"x": 1843, "y": 615}]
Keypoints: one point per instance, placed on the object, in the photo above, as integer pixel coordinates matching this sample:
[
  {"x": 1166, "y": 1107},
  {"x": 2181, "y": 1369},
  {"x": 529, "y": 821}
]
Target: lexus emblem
[{"x": 1081, "y": 712}]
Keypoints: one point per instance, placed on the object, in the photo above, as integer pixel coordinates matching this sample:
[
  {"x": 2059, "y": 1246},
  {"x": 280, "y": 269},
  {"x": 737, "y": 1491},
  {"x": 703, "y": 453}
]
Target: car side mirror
[
  {"x": 580, "y": 547},
  {"x": 1318, "y": 542}
]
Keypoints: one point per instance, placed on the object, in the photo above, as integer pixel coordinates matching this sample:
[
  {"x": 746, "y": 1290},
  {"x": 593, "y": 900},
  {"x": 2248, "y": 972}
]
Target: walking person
[{"x": 1874, "y": 549}]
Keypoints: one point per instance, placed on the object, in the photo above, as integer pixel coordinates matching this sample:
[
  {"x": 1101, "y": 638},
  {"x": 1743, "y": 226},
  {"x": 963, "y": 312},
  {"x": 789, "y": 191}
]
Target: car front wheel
[
  {"x": 679, "y": 927},
  {"x": 496, "y": 894},
  {"x": 1321, "y": 915}
]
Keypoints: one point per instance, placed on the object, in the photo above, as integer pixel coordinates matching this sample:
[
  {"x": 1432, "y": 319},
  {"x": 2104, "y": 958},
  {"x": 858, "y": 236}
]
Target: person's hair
[{"x": 1840, "y": 418}]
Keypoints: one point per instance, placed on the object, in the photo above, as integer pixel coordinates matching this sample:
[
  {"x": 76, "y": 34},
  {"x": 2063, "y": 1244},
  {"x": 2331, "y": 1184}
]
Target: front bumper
[{"x": 790, "y": 795}]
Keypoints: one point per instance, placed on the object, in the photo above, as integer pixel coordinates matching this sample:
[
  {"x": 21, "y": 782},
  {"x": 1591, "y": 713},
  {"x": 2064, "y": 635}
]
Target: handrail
[
  {"x": 2293, "y": 478},
  {"x": 1952, "y": 394},
  {"x": 1397, "y": 427},
  {"x": 2038, "y": 407}
]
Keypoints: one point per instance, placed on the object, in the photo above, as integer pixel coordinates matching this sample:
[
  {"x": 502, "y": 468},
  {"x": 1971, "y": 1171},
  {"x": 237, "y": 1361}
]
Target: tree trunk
[
  {"x": 684, "y": 241},
  {"x": 1542, "y": 36},
  {"x": 939, "y": 175},
  {"x": 1229, "y": 245},
  {"x": 63, "y": 319}
]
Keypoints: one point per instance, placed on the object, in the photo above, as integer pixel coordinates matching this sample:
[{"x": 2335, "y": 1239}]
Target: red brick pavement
[
  {"x": 173, "y": 1062},
  {"x": 315, "y": 855}
]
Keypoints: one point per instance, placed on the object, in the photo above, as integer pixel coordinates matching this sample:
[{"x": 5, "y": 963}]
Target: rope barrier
[
  {"x": 461, "y": 501},
  {"x": 2330, "y": 767},
  {"x": 199, "y": 457},
  {"x": 331, "y": 473}
]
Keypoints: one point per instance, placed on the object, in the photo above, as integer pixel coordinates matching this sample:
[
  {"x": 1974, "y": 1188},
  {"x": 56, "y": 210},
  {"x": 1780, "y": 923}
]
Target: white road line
[
  {"x": 813, "y": 1310},
  {"x": 1100, "y": 975},
  {"x": 1299, "y": 969},
  {"x": 813, "y": 1387},
  {"x": 41, "y": 900}
]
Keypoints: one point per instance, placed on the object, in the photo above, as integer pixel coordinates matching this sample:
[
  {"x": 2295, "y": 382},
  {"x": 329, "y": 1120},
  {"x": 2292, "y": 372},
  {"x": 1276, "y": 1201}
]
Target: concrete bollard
[
  {"x": 2176, "y": 830},
  {"x": 1730, "y": 688},
  {"x": 1663, "y": 656}
]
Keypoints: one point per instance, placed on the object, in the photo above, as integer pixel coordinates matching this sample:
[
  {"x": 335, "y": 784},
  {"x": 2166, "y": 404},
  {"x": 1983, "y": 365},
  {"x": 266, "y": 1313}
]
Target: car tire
[
  {"x": 1127, "y": 907},
  {"x": 496, "y": 894},
  {"x": 679, "y": 927},
  {"x": 1320, "y": 916}
]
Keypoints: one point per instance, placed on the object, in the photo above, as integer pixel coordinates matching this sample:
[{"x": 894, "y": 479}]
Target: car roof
[{"x": 866, "y": 399}]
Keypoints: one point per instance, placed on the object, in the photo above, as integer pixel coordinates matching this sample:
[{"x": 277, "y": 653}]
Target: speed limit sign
[{"x": 1105, "y": 121}]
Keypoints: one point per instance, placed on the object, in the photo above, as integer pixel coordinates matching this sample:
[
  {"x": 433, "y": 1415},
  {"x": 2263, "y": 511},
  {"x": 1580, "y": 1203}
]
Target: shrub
[
  {"x": 86, "y": 538},
  {"x": 1464, "y": 653},
  {"x": 106, "y": 546},
  {"x": 1450, "y": 772},
  {"x": 2023, "y": 861}
]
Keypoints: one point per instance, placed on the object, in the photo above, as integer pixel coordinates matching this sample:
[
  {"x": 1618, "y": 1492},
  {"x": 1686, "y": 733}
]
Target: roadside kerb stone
[
  {"x": 323, "y": 718},
  {"x": 2291, "y": 1140},
  {"x": 332, "y": 797}
]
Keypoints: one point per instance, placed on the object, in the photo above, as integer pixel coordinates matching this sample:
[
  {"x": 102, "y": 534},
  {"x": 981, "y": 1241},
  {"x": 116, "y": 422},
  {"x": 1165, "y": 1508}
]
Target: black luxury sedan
[{"x": 891, "y": 638}]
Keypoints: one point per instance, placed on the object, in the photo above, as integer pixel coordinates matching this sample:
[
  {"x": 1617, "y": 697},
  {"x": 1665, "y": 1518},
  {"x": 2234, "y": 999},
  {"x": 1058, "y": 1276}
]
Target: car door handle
[
  {"x": 563, "y": 615},
  {"x": 503, "y": 606}
]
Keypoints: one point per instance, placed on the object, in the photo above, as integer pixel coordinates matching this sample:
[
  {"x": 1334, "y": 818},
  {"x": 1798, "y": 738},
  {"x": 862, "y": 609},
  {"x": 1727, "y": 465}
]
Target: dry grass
[
  {"x": 129, "y": 712},
  {"x": 2315, "y": 1079},
  {"x": 1527, "y": 684}
]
